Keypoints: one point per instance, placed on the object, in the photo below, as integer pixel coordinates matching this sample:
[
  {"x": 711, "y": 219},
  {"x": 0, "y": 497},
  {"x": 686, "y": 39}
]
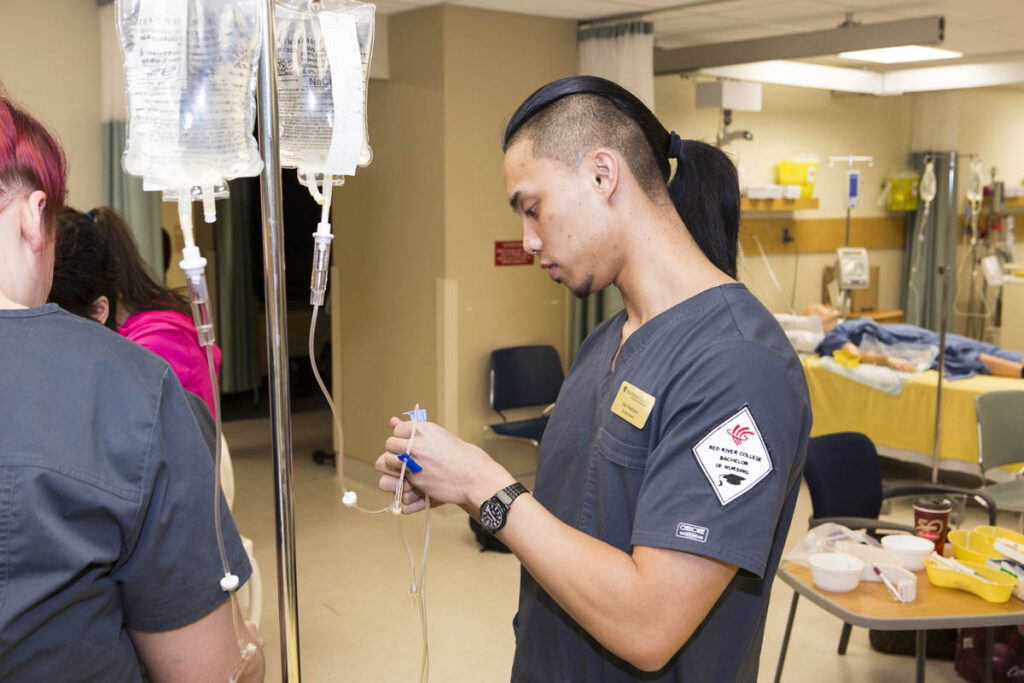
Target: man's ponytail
[{"x": 705, "y": 192}]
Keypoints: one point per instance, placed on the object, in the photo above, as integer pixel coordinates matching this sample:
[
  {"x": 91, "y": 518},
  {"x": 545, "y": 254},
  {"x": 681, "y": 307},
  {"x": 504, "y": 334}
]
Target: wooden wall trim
[{"x": 822, "y": 234}]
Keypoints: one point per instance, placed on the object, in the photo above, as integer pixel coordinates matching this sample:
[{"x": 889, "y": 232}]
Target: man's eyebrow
[{"x": 514, "y": 201}]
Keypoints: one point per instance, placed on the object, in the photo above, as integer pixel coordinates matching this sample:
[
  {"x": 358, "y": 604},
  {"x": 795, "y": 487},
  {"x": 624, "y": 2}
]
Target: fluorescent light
[
  {"x": 804, "y": 75},
  {"x": 900, "y": 54}
]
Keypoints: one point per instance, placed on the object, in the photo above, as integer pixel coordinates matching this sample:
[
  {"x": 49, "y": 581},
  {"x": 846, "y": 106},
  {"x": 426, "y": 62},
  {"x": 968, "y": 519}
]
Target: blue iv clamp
[{"x": 419, "y": 415}]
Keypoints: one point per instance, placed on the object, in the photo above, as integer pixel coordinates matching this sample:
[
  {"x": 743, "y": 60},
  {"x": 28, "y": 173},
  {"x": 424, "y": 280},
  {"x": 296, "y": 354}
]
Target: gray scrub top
[
  {"x": 106, "y": 501},
  {"x": 714, "y": 471}
]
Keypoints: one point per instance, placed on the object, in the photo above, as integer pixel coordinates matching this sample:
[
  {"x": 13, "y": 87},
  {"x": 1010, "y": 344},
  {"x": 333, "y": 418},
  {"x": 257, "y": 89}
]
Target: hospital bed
[{"x": 903, "y": 426}]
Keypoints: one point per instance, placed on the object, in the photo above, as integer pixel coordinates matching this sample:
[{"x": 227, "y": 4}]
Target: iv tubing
[
  {"x": 337, "y": 419},
  {"x": 194, "y": 265},
  {"x": 417, "y": 590}
]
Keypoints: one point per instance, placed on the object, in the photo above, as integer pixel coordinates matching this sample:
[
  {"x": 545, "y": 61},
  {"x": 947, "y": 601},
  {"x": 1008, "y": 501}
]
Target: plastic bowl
[
  {"x": 910, "y": 549},
  {"x": 972, "y": 546},
  {"x": 835, "y": 572}
]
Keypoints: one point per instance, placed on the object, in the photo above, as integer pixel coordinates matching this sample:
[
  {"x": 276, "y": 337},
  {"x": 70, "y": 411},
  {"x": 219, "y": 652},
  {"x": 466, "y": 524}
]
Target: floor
[{"x": 356, "y": 621}]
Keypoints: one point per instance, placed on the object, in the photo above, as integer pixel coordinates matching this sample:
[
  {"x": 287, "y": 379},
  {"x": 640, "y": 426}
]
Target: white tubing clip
[
  {"x": 349, "y": 499},
  {"x": 323, "y": 232},
  {"x": 229, "y": 583}
]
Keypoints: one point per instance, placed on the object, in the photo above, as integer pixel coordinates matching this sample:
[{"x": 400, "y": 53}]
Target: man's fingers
[
  {"x": 414, "y": 507},
  {"x": 396, "y": 445},
  {"x": 402, "y": 430}
]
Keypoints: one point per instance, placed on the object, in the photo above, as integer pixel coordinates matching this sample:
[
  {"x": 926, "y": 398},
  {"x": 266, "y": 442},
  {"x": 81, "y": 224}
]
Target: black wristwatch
[{"x": 494, "y": 510}]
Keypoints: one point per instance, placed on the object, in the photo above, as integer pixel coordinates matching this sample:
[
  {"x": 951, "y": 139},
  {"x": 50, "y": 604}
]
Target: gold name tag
[{"x": 633, "y": 405}]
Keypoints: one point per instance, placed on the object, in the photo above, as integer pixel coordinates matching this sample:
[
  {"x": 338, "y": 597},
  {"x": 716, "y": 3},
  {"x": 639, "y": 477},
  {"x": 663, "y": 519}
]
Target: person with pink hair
[{"x": 109, "y": 557}]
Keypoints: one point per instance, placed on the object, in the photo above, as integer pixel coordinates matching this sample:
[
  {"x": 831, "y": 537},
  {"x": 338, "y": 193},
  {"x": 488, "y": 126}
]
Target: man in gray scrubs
[
  {"x": 107, "y": 548},
  {"x": 670, "y": 466}
]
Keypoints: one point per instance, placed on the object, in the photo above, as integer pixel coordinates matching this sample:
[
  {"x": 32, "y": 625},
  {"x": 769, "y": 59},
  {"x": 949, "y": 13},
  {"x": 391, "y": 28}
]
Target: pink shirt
[{"x": 172, "y": 336}]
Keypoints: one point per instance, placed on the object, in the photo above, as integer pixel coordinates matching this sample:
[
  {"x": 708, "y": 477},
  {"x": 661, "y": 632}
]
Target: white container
[
  {"x": 870, "y": 556},
  {"x": 904, "y": 581},
  {"x": 910, "y": 549},
  {"x": 835, "y": 572},
  {"x": 758, "y": 192},
  {"x": 792, "y": 191},
  {"x": 776, "y": 191}
]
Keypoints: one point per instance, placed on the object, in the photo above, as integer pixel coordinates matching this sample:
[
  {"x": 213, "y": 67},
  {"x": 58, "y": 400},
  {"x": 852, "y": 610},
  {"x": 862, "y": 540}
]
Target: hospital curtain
[
  {"x": 121, "y": 191},
  {"x": 623, "y": 53},
  {"x": 235, "y": 324},
  {"x": 922, "y": 293}
]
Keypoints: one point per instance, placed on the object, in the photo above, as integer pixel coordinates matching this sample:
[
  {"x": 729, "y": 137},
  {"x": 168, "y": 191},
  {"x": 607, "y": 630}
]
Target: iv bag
[
  {"x": 975, "y": 182},
  {"x": 323, "y": 65},
  {"x": 928, "y": 184},
  {"x": 190, "y": 70}
]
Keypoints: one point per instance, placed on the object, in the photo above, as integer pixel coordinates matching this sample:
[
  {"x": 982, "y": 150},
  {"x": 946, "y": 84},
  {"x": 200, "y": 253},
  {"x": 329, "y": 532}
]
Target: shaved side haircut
[
  {"x": 567, "y": 119},
  {"x": 574, "y": 126}
]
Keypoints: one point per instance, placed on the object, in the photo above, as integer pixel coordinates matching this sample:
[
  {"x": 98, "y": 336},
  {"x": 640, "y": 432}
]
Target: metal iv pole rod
[
  {"x": 946, "y": 271},
  {"x": 277, "y": 351}
]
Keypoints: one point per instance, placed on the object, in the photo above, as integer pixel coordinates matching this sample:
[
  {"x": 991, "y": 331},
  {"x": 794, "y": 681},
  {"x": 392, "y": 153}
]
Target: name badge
[{"x": 633, "y": 405}]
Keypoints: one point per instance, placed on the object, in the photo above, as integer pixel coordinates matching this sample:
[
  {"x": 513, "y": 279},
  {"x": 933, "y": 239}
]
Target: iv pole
[
  {"x": 850, "y": 160},
  {"x": 277, "y": 351},
  {"x": 945, "y": 270}
]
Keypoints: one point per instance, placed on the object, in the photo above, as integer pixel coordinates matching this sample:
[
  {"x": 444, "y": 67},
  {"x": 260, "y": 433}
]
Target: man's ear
[
  {"x": 100, "y": 310},
  {"x": 606, "y": 168},
  {"x": 33, "y": 227}
]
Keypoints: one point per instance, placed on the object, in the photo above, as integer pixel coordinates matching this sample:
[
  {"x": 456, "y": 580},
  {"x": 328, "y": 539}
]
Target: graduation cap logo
[{"x": 733, "y": 479}]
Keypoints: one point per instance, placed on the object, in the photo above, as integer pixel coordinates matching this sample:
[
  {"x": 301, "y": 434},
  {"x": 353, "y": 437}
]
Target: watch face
[{"x": 492, "y": 515}]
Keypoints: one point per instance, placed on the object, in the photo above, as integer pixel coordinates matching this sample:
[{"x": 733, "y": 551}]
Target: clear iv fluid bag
[
  {"x": 975, "y": 189},
  {"x": 190, "y": 70},
  {"x": 322, "y": 114}
]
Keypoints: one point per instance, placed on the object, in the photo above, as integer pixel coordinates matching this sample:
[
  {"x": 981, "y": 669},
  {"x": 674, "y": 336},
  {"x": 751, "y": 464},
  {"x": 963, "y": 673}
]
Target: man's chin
[{"x": 584, "y": 289}]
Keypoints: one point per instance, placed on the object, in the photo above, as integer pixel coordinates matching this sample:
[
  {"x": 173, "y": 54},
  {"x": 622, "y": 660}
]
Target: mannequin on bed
[{"x": 965, "y": 357}]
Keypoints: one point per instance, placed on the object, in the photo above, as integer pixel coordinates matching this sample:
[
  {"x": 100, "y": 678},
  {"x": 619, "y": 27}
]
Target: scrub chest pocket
[{"x": 615, "y": 471}]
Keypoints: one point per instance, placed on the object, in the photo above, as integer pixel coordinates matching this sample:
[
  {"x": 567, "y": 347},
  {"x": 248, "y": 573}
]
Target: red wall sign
[{"x": 511, "y": 254}]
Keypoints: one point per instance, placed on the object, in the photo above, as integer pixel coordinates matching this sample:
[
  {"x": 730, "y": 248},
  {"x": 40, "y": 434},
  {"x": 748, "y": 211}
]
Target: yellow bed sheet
[{"x": 906, "y": 421}]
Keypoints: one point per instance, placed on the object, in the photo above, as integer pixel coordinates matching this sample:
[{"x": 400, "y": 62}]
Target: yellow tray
[
  {"x": 973, "y": 546},
  {"x": 1000, "y": 532},
  {"x": 998, "y": 591}
]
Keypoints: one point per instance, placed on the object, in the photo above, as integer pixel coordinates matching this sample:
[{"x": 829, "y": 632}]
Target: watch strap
[{"x": 510, "y": 493}]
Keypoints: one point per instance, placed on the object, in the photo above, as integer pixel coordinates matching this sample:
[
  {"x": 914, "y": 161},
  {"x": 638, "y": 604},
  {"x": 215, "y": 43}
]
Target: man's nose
[{"x": 531, "y": 240}]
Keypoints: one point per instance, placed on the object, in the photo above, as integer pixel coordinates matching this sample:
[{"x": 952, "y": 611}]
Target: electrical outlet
[{"x": 787, "y": 237}]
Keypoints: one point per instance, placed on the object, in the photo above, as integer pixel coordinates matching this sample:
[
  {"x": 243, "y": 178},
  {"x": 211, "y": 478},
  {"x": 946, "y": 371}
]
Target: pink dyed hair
[{"x": 30, "y": 160}]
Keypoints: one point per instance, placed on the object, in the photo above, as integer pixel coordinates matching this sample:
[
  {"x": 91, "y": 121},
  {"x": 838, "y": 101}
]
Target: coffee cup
[{"x": 931, "y": 519}]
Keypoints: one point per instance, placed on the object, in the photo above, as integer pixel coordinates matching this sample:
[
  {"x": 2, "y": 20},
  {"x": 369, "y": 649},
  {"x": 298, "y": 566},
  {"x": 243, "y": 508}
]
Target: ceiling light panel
[{"x": 900, "y": 54}]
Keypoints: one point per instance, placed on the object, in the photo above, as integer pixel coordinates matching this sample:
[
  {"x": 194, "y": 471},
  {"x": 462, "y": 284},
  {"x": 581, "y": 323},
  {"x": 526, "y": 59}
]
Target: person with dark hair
[
  {"x": 109, "y": 557},
  {"x": 100, "y": 274},
  {"x": 671, "y": 464}
]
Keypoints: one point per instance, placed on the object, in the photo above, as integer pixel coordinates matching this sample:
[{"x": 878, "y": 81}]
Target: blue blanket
[{"x": 961, "y": 353}]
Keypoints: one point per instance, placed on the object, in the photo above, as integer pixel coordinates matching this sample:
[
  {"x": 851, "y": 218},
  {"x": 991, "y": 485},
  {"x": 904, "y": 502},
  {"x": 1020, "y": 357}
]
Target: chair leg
[
  {"x": 844, "y": 638},
  {"x": 785, "y": 638}
]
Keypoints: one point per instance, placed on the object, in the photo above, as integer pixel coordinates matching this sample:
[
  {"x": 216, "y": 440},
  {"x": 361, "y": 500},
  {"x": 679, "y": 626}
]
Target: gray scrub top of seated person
[{"x": 713, "y": 471}]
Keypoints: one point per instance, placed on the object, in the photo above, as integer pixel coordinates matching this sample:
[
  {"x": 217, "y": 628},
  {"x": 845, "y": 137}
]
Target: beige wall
[
  {"x": 389, "y": 224},
  {"x": 804, "y": 123},
  {"x": 488, "y": 73},
  {"x": 421, "y": 301},
  {"x": 50, "y": 64},
  {"x": 816, "y": 123}
]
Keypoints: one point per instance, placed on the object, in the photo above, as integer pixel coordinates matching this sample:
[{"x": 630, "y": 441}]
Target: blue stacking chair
[{"x": 524, "y": 377}]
